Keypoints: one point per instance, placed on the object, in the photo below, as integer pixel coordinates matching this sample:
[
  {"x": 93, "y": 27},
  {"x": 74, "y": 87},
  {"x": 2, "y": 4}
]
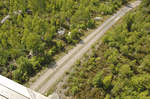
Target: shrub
[
  {"x": 107, "y": 82},
  {"x": 23, "y": 71},
  {"x": 52, "y": 51},
  {"x": 60, "y": 44},
  {"x": 75, "y": 90},
  {"x": 125, "y": 70},
  {"x": 97, "y": 80},
  {"x": 91, "y": 24}
]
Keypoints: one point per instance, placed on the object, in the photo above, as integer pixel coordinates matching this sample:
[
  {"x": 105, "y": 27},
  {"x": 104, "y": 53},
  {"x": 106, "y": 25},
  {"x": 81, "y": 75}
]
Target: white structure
[
  {"x": 69, "y": 33},
  {"x": 54, "y": 96},
  {"x": 12, "y": 90},
  {"x": 18, "y": 12},
  {"x": 8, "y": 16},
  {"x": 98, "y": 18},
  {"x": 61, "y": 31},
  {"x": 5, "y": 18}
]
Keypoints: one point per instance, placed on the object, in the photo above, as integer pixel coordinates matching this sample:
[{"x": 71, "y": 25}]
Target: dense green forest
[
  {"x": 28, "y": 31},
  {"x": 119, "y": 67}
]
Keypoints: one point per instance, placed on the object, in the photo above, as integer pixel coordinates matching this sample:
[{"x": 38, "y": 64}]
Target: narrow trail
[{"x": 52, "y": 75}]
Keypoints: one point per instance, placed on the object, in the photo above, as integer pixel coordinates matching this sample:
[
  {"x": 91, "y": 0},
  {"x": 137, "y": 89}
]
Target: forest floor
[{"x": 53, "y": 75}]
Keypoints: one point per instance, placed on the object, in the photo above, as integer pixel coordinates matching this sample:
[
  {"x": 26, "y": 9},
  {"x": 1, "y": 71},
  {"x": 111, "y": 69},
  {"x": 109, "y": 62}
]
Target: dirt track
[{"x": 52, "y": 75}]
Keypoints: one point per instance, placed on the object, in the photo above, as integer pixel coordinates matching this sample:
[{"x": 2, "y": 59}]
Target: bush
[
  {"x": 35, "y": 64},
  {"x": 145, "y": 65},
  {"x": 82, "y": 26},
  {"x": 60, "y": 44},
  {"x": 23, "y": 71},
  {"x": 20, "y": 76},
  {"x": 97, "y": 80},
  {"x": 73, "y": 37},
  {"x": 91, "y": 24},
  {"x": 106, "y": 9},
  {"x": 108, "y": 96},
  {"x": 125, "y": 70},
  {"x": 74, "y": 90},
  {"x": 52, "y": 51},
  {"x": 107, "y": 82}
]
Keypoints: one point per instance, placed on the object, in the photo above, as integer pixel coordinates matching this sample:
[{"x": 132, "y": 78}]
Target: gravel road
[{"x": 52, "y": 75}]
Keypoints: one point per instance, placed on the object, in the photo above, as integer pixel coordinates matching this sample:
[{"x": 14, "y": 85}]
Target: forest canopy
[
  {"x": 29, "y": 31},
  {"x": 119, "y": 68}
]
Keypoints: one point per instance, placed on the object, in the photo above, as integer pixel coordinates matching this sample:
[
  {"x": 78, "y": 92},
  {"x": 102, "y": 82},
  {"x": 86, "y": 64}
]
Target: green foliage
[
  {"x": 141, "y": 82},
  {"x": 91, "y": 23},
  {"x": 81, "y": 16},
  {"x": 74, "y": 90},
  {"x": 123, "y": 70},
  {"x": 107, "y": 82},
  {"x": 30, "y": 35},
  {"x": 34, "y": 42},
  {"x": 107, "y": 96},
  {"x": 97, "y": 80},
  {"x": 60, "y": 44},
  {"x": 35, "y": 63},
  {"x": 25, "y": 69},
  {"x": 145, "y": 65},
  {"x": 106, "y": 9},
  {"x": 52, "y": 51},
  {"x": 73, "y": 36}
]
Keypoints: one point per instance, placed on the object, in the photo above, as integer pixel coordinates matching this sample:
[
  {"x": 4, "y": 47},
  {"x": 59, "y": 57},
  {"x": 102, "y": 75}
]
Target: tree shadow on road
[
  {"x": 52, "y": 64},
  {"x": 81, "y": 42}
]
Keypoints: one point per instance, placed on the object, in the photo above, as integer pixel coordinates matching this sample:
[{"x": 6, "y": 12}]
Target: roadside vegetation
[
  {"x": 32, "y": 32},
  {"x": 118, "y": 66}
]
